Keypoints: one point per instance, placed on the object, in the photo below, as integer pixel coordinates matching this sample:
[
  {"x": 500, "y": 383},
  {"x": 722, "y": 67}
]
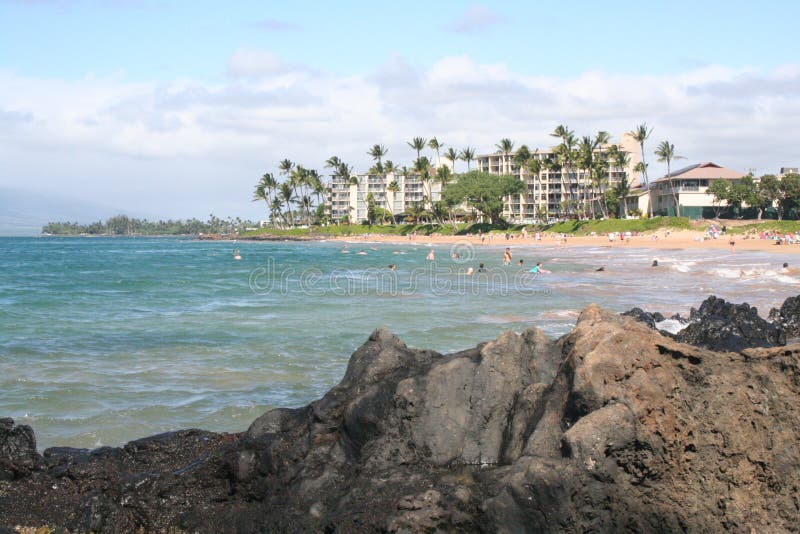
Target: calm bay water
[{"x": 106, "y": 340}]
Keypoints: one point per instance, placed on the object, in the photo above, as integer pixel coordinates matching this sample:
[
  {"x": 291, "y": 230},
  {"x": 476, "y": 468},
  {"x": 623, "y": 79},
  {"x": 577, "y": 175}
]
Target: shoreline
[{"x": 677, "y": 240}]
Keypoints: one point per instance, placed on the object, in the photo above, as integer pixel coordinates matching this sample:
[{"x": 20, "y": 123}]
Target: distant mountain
[{"x": 25, "y": 212}]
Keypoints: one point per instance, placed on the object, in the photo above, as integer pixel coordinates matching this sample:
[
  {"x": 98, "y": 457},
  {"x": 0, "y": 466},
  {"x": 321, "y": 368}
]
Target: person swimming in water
[
  {"x": 655, "y": 263},
  {"x": 537, "y": 269}
]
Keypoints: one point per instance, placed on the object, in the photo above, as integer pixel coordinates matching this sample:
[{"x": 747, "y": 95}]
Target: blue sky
[
  {"x": 175, "y": 108},
  {"x": 161, "y": 40}
]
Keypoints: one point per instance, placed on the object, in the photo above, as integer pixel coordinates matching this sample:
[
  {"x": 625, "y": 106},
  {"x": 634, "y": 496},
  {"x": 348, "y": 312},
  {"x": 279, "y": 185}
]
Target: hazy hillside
[{"x": 25, "y": 212}]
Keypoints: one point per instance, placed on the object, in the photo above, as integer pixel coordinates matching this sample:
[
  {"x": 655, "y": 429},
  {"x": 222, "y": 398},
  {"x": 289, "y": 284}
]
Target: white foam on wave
[
  {"x": 671, "y": 325},
  {"x": 682, "y": 267}
]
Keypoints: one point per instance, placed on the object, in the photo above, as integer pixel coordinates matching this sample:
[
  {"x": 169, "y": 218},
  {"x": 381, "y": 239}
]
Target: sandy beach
[{"x": 680, "y": 240}]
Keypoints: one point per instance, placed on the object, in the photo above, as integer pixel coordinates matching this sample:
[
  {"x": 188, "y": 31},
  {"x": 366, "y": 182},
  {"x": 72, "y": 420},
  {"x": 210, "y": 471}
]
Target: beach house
[{"x": 690, "y": 186}]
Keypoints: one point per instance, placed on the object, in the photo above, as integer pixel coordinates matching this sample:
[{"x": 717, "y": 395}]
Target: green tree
[
  {"x": 483, "y": 191},
  {"x": 742, "y": 192},
  {"x": 719, "y": 190},
  {"x": 640, "y": 134},
  {"x": 666, "y": 153},
  {"x": 790, "y": 193},
  {"x": 769, "y": 191}
]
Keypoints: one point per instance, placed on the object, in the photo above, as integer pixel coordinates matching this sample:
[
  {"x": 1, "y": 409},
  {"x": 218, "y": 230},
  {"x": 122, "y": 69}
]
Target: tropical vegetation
[{"x": 122, "y": 225}]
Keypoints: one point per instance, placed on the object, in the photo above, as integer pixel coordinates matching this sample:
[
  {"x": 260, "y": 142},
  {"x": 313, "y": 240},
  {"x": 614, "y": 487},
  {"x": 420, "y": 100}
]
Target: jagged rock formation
[
  {"x": 650, "y": 319},
  {"x": 787, "y": 316},
  {"x": 612, "y": 428},
  {"x": 723, "y": 326}
]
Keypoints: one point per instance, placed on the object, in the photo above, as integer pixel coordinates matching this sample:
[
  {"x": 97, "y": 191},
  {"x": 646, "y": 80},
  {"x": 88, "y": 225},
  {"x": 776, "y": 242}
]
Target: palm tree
[
  {"x": 565, "y": 154},
  {"x": 285, "y": 166},
  {"x": 418, "y": 144},
  {"x": 640, "y": 135},
  {"x": 666, "y": 153},
  {"x": 422, "y": 166},
  {"x": 587, "y": 159},
  {"x": 506, "y": 147},
  {"x": 436, "y": 145},
  {"x": 260, "y": 193},
  {"x": 286, "y": 194},
  {"x": 316, "y": 185},
  {"x": 377, "y": 152},
  {"x": 467, "y": 154},
  {"x": 394, "y": 187},
  {"x": 621, "y": 191},
  {"x": 452, "y": 155},
  {"x": 275, "y": 211},
  {"x": 264, "y": 188},
  {"x": 298, "y": 179}
]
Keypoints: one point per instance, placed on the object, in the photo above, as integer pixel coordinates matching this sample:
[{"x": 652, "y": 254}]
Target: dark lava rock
[
  {"x": 650, "y": 319},
  {"x": 723, "y": 326},
  {"x": 612, "y": 428},
  {"x": 18, "y": 456},
  {"x": 788, "y": 316},
  {"x": 677, "y": 317}
]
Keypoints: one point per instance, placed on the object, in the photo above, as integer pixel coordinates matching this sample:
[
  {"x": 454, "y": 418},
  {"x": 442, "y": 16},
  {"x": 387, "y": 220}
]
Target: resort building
[
  {"x": 787, "y": 170},
  {"x": 690, "y": 185},
  {"x": 348, "y": 197},
  {"x": 553, "y": 192}
]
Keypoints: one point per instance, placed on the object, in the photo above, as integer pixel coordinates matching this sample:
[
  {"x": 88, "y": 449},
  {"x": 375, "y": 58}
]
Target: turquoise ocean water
[{"x": 106, "y": 340}]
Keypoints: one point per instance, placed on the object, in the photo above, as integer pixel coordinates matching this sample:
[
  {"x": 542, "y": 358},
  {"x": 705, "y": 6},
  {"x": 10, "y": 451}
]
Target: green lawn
[
  {"x": 620, "y": 225},
  {"x": 570, "y": 227}
]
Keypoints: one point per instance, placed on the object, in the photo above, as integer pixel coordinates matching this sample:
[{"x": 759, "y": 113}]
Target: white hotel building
[
  {"x": 347, "y": 199},
  {"x": 546, "y": 191}
]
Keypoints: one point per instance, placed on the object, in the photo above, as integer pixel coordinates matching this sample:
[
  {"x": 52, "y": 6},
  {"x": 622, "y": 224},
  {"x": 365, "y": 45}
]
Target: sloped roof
[{"x": 704, "y": 171}]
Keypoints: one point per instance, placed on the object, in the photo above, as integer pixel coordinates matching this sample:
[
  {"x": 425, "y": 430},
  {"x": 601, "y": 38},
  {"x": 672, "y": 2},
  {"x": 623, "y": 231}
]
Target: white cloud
[
  {"x": 108, "y": 136},
  {"x": 474, "y": 19},
  {"x": 249, "y": 63}
]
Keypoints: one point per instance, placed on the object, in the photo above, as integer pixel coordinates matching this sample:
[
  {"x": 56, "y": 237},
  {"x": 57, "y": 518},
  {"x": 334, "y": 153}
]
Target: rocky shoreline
[{"x": 614, "y": 427}]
